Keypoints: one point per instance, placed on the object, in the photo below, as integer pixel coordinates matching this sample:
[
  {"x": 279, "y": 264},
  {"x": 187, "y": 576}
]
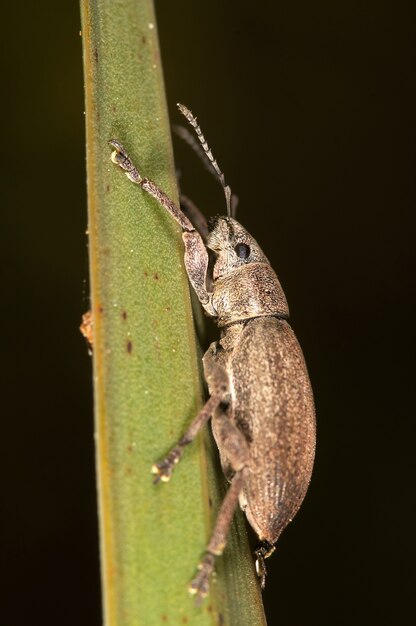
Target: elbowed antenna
[{"x": 192, "y": 120}]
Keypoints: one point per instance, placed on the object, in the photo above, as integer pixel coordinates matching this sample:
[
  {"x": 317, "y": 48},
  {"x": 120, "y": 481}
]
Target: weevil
[{"x": 260, "y": 397}]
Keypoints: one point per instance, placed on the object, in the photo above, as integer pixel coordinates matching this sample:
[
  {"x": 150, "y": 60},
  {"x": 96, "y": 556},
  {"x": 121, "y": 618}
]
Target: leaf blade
[{"x": 146, "y": 366}]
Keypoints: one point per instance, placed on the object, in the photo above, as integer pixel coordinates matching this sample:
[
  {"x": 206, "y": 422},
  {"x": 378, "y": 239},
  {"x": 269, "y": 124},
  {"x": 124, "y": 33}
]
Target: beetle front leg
[
  {"x": 196, "y": 255},
  {"x": 122, "y": 159}
]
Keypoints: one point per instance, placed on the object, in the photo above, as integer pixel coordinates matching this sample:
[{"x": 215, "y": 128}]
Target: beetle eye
[{"x": 242, "y": 250}]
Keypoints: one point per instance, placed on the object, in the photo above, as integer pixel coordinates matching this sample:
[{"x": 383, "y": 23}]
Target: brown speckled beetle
[{"x": 261, "y": 403}]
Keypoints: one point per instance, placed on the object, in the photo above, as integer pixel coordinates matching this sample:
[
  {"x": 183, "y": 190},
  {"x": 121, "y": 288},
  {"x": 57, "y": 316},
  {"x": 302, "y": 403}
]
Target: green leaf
[{"x": 147, "y": 380}]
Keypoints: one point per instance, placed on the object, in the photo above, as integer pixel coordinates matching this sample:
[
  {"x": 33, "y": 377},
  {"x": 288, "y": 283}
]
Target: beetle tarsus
[
  {"x": 120, "y": 157},
  {"x": 163, "y": 470},
  {"x": 200, "y": 584}
]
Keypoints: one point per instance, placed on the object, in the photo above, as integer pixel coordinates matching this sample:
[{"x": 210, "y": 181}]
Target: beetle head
[{"x": 232, "y": 245}]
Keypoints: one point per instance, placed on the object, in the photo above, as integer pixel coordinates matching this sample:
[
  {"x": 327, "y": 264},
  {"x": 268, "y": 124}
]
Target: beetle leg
[
  {"x": 196, "y": 255},
  {"x": 200, "y": 584},
  {"x": 234, "y": 451},
  {"x": 262, "y": 552},
  {"x": 121, "y": 158},
  {"x": 196, "y": 263},
  {"x": 163, "y": 470}
]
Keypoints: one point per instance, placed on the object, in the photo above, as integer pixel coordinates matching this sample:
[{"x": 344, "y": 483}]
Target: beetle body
[
  {"x": 260, "y": 398},
  {"x": 271, "y": 399}
]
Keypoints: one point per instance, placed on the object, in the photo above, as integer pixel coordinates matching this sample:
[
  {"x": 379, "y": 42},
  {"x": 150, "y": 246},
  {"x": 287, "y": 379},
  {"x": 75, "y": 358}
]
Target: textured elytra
[{"x": 272, "y": 405}]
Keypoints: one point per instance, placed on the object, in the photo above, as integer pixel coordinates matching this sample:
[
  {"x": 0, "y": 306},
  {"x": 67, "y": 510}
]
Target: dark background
[{"x": 310, "y": 110}]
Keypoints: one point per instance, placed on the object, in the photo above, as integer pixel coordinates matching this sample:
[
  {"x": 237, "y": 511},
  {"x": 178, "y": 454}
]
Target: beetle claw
[
  {"x": 120, "y": 157},
  {"x": 162, "y": 471},
  {"x": 261, "y": 569},
  {"x": 262, "y": 552}
]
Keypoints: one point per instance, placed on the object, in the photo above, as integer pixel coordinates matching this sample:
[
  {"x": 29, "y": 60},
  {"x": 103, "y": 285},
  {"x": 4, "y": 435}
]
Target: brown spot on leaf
[
  {"x": 210, "y": 503},
  {"x": 156, "y": 276},
  {"x": 96, "y": 54},
  {"x": 220, "y": 619},
  {"x": 107, "y": 188},
  {"x": 124, "y": 315},
  {"x": 145, "y": 274},
  {"x": 164, "y": 618},
  {"x": 129, "y": 346},
  {"x": 185, "y": 620},
  {"x": 144, "y": 39},
  {"x": 101, "y": 309}
]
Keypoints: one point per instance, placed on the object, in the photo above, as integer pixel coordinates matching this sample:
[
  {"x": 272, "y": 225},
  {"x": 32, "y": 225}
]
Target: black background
[{"x": 310, "y": 110}]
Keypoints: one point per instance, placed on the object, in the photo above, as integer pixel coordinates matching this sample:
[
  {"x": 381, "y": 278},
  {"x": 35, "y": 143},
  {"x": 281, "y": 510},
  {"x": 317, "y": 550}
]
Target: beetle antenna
[{"x": 192, "y": 120}]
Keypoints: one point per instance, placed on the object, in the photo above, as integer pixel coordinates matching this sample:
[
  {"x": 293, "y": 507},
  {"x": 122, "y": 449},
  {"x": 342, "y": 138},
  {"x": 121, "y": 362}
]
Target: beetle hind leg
[
  {"x": 262, "y": 552},
  {"x": 235, "y": 456},
  {"x": 200, "y": 584}
]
